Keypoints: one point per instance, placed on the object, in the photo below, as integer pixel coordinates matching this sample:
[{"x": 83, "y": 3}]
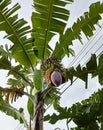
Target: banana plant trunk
[{"x": 38, "y": 117}]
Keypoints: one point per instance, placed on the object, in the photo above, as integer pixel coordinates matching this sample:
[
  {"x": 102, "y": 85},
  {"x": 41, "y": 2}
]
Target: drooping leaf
[
  {"x": 13, "y": 93},
  {"x": 13, "y": 112}
]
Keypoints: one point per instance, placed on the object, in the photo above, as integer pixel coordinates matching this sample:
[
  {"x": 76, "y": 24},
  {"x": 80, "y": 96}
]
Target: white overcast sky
[{"x": 77, "y": 91}]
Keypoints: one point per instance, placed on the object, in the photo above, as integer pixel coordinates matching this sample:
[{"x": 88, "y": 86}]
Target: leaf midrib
[
  {"x": 11, "y": 69},
  {"x": 48, "y": 23},
  {"x": 16, "y": 111},
  {"x": 19, "y": 41}
]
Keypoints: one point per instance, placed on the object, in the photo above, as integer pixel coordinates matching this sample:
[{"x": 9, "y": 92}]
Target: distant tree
[{"x": 31, "y": 47}]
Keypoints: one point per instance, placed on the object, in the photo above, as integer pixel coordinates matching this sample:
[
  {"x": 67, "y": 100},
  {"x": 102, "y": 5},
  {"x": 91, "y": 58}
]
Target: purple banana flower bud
[{"x": 56, "y": 78}]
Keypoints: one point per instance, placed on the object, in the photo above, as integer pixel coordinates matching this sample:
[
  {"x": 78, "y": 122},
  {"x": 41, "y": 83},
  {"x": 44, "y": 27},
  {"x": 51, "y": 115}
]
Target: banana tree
[{"x": 31, "y": 47}]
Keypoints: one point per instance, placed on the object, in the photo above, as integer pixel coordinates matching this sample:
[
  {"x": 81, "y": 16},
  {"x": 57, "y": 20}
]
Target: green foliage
[
  {"x": 92, "y": 67},
  {"x": 13, "y": 112},
  {"x": 100, "y": 70},
  {"x": 15, "y": 71},
  {"x": 52, "y": 97},
  {"x": 30, "y": 107},
  {"x": 37, "y": 81},
  {"x": 31, "y": 46},
  {"x": 87, "y": 115},
  {"x": 5, "y": 52},
  {"x": 4, "y": 63},
  {"x": 16, "y": 32},
  {"x": 85, "y": 24},
  {"x": 48, "y": 19}
]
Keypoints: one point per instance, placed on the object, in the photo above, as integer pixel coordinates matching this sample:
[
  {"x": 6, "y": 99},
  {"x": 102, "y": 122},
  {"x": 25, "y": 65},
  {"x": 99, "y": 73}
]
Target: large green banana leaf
[
  {"x": 85, "y": 24},
  {"x": 49, "y": 17},
  {"x": 16, "y": 32}
]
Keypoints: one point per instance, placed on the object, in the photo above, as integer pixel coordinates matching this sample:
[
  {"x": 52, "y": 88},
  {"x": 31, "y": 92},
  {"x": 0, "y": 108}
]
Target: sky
[{"x": 77, "y": 91}]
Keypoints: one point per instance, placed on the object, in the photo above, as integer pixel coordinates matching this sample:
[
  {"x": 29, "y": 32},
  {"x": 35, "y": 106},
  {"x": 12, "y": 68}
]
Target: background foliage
[{"x": 31, "y": 46}]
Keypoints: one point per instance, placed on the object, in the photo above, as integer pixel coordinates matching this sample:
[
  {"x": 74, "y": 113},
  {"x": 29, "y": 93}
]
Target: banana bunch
[{"x": 53, "y": 72}]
